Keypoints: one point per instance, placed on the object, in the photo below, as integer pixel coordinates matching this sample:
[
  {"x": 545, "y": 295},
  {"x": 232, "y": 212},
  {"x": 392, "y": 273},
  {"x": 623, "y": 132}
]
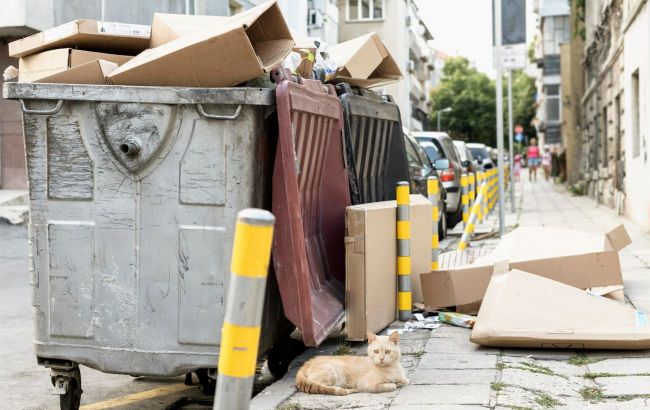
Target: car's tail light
[{"x": 447, "y": 175}]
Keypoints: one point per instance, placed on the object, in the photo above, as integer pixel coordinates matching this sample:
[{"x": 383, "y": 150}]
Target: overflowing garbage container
[{"x": 133, "y": 197}]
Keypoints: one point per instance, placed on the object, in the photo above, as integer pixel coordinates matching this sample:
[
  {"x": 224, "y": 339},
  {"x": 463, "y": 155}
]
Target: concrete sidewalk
[{"x": 449, "y": 372}]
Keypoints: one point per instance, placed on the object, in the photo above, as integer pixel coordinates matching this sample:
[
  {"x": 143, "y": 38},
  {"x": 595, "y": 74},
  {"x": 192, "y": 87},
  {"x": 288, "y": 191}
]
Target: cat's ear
[
  {"x": 394, "y": 337},
  {"x": 372, "y": 338}
]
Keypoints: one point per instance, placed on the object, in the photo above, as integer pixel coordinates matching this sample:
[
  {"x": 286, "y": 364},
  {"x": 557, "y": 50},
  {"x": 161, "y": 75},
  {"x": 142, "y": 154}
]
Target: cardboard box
[
  {"x": 93, "y": 72},
  {"x": 169, "y": 27},
  {"x": 371, "y": 258},
  {"x": 92, "y": 35},
  {"x": 37, "y": 66},
  {"x": 244, "y": 47},
  {"x": 365, "y": 62},
  {"x": 518, "y": 312},
  {"x": 579, "y": 259}
]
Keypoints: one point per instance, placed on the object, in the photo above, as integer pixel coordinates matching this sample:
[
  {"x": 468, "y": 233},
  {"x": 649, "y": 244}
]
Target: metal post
[
  {"x": 469, "y": 229},
  {"x": 479, "y": 181},
  {"x": 498, "y": 33},
  {"x": 439, "y": 120},
  {"x": 433, "y": 192},
  {"x": 102, "y": 10},
  {"x": 511, "y": 137},
  {"x": 464, "y": 198},
  {"x": 240, "y": 334},
  {"x": 472, "y": 189},
  {"x": 404, "y": 301}
]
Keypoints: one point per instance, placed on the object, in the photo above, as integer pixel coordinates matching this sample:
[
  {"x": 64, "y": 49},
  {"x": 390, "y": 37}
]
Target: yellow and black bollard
[
  {"x": 433, "y": 191},
  {"x": 469, "y": 229},
  {"x": 464, "y": 199},
  {"x": 240, "y": 334},
  {"x": 404, "y": 301}
]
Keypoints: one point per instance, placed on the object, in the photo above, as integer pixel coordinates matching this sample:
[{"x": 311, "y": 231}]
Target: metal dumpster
[
  {"x": 374, "y": 144},
  {"x": 133, "y": 197},
  {"x": 310, "y": 194}
]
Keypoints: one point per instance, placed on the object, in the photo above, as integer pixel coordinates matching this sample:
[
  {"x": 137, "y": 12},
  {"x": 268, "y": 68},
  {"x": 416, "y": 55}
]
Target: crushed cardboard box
[
  {"x": 580, "y": 259},
  {"x": 518, "y": 312},
  {"x": 92, "y": 35},
  {"x": 92, "y": 72},
  {"x": 370, "y": 262},
  {"x": 242, "y": 48},
  {"x": 364, "y": 61},
  {"x": 39, "y": 66}
]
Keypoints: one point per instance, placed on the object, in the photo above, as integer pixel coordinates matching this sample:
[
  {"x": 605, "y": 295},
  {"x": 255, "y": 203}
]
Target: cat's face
[{"x": 383, "y": 350}]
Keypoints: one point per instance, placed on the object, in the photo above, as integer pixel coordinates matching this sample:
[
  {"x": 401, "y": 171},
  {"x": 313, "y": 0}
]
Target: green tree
[{"x": 472, "y": 98}]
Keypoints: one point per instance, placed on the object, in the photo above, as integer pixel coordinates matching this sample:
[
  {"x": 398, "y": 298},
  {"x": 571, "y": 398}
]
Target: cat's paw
[{"x": 403, "y": 382}]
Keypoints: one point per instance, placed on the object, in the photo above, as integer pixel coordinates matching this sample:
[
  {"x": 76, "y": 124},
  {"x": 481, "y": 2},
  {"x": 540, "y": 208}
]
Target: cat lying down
[{"x": 379, "y": 372}]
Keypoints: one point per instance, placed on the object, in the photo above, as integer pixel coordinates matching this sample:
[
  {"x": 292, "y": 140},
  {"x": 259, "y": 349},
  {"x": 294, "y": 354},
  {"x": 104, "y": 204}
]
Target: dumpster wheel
[
  {"x": 71, "y": 383},
  {"x": 282, "y": 354}
]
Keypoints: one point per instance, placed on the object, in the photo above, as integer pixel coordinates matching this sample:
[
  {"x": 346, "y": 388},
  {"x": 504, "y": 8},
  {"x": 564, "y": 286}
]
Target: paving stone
[
  {"x": 458, "y": 361},
  {"x": 624, "y": 385},
  {"x": 621, "y": 366},
  {"x": 476, "y": 394},
  {"x": 554, "y": 385},
  {"x": 456, "y": 345},
  {"x": 618, "y": 405},
  {"x": 516, "y": 397},
  {"x": 444, "y": 376},
  {"x": 353, "y": 401},
  {"x": 559, "y": 354},
  {"x": 398, "y": 406},
  {"x": 556, "y": 366}
]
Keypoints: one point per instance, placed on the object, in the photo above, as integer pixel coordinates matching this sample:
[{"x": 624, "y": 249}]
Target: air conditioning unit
[{"x": 314, "y": 18}]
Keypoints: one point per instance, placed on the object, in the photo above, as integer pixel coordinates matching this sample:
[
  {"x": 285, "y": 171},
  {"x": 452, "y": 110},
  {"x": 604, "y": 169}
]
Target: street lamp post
[{"x": 448, "y": 109}]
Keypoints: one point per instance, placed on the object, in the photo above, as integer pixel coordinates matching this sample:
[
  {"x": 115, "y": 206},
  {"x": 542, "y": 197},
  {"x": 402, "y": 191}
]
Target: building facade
[{"x": 398, "y": 24}]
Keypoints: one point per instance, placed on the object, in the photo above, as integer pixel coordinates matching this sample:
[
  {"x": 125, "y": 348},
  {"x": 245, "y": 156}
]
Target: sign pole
[
  {"x": 513, "y": 208},
  {"x": 500, "y": 157}
]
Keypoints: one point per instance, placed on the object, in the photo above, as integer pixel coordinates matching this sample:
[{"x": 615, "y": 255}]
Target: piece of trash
[
  {"x": 457, "y": 319},
  {"x": 10, "y": 74},
  {"x": 419, "y": 317}
]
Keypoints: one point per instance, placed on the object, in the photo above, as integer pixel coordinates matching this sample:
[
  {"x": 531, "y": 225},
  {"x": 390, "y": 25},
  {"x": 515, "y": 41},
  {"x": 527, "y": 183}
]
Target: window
[
  {"x": 556, "y": 30},
  {"x": 636, "y": 136},
  {"x": 552, "y": 93},
  {"x": 605, "y": 136},
  {"x": 365, "y": 9}
]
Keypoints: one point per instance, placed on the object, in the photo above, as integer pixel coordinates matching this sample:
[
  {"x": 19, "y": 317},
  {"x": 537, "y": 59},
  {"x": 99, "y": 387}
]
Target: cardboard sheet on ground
[
  {"x": 36, "y": 67},
  {"x": 86, "y": 34},
  {"x": 370, "y": 262},
  {"x": 577, "y": 258},
  {"x": 521, "y": 309},
  {"x": 364, "y": 61},
  {"x": 232, "y": 51}
]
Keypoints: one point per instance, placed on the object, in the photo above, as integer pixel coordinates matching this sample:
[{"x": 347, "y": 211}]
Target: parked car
[
  {"x": 421, "y": 168},
  {"x": 481, "y": 155},
  {"x": 467, "y": 161},
  {"x": 438, "y": 145}
]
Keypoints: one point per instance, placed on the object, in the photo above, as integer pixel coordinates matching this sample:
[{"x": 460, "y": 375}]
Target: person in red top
[{"x": 533, "y": 159}]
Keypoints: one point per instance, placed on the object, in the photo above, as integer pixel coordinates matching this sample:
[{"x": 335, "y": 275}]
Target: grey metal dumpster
[{"x": 133, "y": 197}]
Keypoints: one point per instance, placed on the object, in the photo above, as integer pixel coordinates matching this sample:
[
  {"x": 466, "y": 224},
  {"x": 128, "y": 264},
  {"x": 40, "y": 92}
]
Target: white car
[{"x": 481, "y": 155}]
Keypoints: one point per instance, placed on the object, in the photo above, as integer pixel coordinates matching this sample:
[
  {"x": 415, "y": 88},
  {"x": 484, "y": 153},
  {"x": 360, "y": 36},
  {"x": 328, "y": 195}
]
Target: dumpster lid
[{"x": 118, "y": 93}]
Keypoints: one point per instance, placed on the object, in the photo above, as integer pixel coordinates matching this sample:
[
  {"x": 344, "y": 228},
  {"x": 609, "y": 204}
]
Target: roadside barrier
[
  {"x": 404, "y": 300},
  {"x": 433, "y": 192},
  {"x": 472, "y": 189},
  {"x": 240, "y": 334},
  {"x": 464, "y": 181},
  {"x": 469, "y": 229}
]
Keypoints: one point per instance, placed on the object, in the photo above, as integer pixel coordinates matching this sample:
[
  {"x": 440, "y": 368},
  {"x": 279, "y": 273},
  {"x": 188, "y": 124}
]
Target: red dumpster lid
[{"x": 310, "y": 194}]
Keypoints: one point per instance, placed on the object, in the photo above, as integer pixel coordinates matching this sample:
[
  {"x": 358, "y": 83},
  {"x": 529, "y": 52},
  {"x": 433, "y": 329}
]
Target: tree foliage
[{"x": 472, "y": 98}]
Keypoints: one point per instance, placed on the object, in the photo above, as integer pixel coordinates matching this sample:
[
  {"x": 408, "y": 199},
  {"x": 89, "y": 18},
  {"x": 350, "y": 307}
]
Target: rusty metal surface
[
  {"x": 310, "y": 194},
  {"x": 130, "y": 253},
  {"x": 374, "y": 145}
]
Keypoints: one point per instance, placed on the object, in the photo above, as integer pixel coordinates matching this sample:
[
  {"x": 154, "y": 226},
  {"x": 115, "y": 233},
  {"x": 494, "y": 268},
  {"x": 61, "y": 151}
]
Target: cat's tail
[{"x": 313, "y": 387}]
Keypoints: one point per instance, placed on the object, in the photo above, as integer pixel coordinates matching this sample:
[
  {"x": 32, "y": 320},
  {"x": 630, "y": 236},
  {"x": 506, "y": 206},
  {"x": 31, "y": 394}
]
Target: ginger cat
[{"x": 379, "y": 372}]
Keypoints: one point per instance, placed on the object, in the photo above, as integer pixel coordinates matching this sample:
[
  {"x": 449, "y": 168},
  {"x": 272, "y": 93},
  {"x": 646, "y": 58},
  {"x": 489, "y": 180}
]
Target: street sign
[{"x": 513, "y": 57}]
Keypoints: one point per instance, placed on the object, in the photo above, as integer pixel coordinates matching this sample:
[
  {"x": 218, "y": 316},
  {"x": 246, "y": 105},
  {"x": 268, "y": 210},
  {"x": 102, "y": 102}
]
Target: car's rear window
[
  {"x": 431, "y": 149},
  {"x": 479, "y": 153}
]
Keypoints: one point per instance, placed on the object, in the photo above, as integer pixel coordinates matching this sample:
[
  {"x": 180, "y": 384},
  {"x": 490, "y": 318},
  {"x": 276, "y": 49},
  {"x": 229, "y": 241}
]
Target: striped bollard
[
  {"x": 479, "y": 181},
  {"x": 486, "y": 197},
  {"x": 464, "y": 199},
  {"x": 472, "y": 189},
  {"x": 404, "y": 301},
  {"x": 469, "y": 229},
  {"x": 240, "y": 333},
  {"x": 433, "y": 191}
]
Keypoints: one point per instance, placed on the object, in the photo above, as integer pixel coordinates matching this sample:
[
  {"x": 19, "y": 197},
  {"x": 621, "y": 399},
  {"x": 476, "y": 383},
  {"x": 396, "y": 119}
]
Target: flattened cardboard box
[
  {"x": 518, "y": 312},
  {"x": 93, "y": 72},
  {"x": 38, "y": 66},
  {"x": 244, "y": 47},
  {"x": 580, "y": 259},
  {"x": 91, "y": 35},
  {"x": 370, "y": 262},
  {"x": 365, "y": 62}
]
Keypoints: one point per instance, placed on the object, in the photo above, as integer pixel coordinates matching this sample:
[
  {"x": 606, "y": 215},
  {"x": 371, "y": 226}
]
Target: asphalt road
[{"x": 27, "y": 385}]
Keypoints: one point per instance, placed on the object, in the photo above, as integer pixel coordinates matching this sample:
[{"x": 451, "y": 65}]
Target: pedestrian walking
[
  {"x": 546, "y": 163},
  {"x": 517, "y": 167},
  {"x": 533, "y": 158}
]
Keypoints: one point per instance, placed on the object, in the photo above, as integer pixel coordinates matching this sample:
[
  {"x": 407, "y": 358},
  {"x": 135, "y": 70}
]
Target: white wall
[{"x": 637, "y": 202}]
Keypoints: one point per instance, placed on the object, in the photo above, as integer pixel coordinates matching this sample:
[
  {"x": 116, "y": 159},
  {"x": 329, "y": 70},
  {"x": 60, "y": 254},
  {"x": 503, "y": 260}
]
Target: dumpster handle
[
  {"x": 204, "y": 114},
  {"x": 51, "y": 111}
]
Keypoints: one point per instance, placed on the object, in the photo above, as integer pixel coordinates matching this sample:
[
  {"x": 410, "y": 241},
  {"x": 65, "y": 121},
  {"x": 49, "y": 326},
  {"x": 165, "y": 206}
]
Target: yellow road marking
[{"x": 136, "y": 397}]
